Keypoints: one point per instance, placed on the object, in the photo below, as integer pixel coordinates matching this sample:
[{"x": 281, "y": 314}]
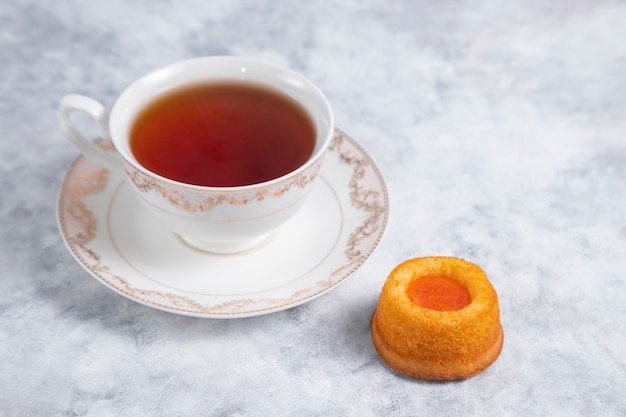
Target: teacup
[{"x": 216, "y": 219}]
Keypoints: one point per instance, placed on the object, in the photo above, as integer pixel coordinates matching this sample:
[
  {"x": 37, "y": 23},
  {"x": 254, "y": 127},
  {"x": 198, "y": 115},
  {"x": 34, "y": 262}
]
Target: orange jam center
[{"x": 438, "y": 292}]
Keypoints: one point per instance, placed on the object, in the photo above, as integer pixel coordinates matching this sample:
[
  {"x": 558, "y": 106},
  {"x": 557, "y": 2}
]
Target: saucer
[{"x": 337, "y": 229}]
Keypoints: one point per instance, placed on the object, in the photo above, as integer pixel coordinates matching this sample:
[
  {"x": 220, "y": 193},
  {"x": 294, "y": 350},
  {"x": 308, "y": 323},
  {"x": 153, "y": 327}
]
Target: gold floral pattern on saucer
[{"x": 337, "y": 230}]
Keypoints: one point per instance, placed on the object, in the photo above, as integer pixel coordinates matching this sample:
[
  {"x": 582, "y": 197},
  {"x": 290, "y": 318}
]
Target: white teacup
[{"x": 213, "y": 219}]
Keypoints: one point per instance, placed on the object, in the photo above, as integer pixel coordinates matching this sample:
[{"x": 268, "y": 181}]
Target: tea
[{"x": 222, "y": 134}]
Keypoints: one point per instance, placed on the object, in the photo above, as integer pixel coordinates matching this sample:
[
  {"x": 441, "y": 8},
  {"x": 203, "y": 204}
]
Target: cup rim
[{"x": 315, "y": 156}]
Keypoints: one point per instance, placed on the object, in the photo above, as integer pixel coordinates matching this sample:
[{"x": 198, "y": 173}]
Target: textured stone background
[{"x": 500, "y": 129}]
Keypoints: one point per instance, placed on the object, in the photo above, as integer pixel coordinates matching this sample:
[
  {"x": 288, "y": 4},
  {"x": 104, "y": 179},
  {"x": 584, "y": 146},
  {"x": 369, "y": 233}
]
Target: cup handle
[{"x": 75, "y": 102}]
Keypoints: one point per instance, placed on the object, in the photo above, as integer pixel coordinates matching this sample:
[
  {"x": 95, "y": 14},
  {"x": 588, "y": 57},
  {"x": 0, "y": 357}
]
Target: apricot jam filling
[{"x": 438, "y": 292}]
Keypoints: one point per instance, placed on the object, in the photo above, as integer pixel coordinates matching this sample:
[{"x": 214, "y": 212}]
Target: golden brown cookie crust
[{"x": 433, "y": 344}]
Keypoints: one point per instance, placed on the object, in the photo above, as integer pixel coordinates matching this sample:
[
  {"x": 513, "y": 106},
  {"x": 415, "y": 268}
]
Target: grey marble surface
[{"x": 500, "y": 128}]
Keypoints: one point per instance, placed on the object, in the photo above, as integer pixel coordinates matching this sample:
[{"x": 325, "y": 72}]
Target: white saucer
[{"x": 326, "y": 242}]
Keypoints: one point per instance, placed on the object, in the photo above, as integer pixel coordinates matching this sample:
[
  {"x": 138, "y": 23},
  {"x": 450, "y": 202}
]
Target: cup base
[{"x": 227, "y": 248}]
